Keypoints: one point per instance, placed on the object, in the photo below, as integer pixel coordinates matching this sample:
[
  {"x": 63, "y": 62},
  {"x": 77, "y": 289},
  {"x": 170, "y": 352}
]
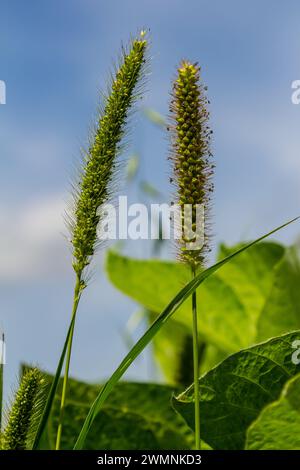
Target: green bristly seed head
[
  {"x": 100, "y": 161},
  {"x": 19, "y": 420},
  {"x": 191, "y": 151}
]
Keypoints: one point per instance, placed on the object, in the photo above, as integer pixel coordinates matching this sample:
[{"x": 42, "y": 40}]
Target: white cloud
[{"x": 31, "y": 240}]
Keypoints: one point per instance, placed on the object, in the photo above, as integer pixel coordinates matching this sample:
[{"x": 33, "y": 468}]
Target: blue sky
[{"x": 55, "y": 57}]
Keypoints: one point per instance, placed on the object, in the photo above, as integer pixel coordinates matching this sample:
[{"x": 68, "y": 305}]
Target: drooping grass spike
[
  {"x": 100, "y": 162},
  {"x": 97, "y": 174},
  {"x": 22, "y": 413}
]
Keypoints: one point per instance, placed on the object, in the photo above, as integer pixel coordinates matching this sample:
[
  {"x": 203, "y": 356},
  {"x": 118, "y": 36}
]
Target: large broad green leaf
[
  {"x": 278, "y": 425},
  {"x": 234, "y": 393},
  {"x": 253, "y": 298},
  {"x": 258, "y": 292},
  {"x": 281, "y": 311},
  {"x": 136, "y": 416},
  {"x": 251, "y": 277},
  {"x": 229, "y": 302},
  {"x": 141, "y": 279}
]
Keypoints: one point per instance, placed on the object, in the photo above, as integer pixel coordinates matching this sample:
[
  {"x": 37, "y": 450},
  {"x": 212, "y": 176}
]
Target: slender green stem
[
  {"x": 77, "y": 295},
  {"x": 196, "y": 368}
]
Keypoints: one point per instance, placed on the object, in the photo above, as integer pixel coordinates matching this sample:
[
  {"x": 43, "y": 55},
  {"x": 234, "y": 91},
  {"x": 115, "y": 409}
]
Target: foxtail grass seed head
[
  {"x": 191, "y": 157},
  {"x": 22, "y": 411},
  {"x": 100, "y": 161}
]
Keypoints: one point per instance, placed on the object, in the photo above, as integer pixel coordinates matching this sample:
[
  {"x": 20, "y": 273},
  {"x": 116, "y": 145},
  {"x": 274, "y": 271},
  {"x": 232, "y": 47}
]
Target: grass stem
[
  {"x": 77, "y": 294},
  {"x": 196, "y": 368}
]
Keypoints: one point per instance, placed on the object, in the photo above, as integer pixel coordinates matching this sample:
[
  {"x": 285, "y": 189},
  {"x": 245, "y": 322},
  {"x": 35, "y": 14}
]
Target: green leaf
[
  {"x": 271, "y": 294},
  {"x": 281, "y": 312},
  {"x": 251, "y": 277},
  {"x": 229, "y": 302},
  {"x": 234, "y": 393},
  {"x": 171, "y": 308},
  {"x": 278, "y": 425},
  {"x": 51, "y": 395},
  {"x": 136, "y": 416}
]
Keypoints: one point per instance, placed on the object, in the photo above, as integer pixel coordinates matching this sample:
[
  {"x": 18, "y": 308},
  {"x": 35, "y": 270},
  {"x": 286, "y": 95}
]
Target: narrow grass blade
[
  {"x": 2, "y": 357},
  {"x": 47, "y": 410},
  {"x": 151, "y": 332},
  {"x": 1, "y": 393}
]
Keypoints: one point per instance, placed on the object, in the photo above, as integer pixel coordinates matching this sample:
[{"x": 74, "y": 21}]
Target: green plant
[
  {"x": 192, "y": 176},
  {"x": 24, "y": 413},
  {"x": 171, "y": 308},
  {"x": 277, "y": 426},
  {"x": 108, "y": 388},
  {"x": 250, "y": 294},
  {"x": 93, "y": 187},
  {"x": 237, "y": 390}
]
